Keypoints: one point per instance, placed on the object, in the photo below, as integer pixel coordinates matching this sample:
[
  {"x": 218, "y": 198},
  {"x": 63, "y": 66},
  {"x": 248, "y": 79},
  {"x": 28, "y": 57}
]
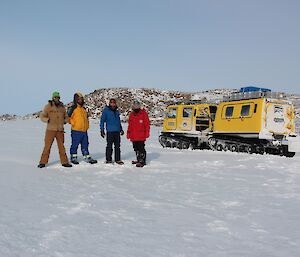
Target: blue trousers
[{"x": 79, "y": 138}]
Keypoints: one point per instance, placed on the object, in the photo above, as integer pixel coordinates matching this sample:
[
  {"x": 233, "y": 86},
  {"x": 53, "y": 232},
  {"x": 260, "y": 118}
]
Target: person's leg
[
  {"x": 85, "y": 149},
  {"x": 109, "y": 140},
  {"x": 49, "y": 138},
  {"x": 75, "y": 136},
  {"x": 144, "y": 153},
  {"x": 117, "y": 143},
  {"x": 85, "y": 144},
  {"x": 141, "y": 152},
  {"x": 60, "y": 139},
  {"x": 134, "y": 144}
]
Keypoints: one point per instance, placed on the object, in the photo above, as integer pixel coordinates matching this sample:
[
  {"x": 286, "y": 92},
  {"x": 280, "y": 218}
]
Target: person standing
[
  {"x": 54, "y": 114},
  {"x": 80, "y": 125},
  {"x": 110, "y": 118},
  {"x": 138, "y": 131}
]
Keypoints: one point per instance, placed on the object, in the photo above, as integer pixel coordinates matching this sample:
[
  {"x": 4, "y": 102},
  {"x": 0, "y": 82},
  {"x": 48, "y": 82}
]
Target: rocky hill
[
  {"x": 7, "y": 117},
  {"x": 155, "y": 101}
]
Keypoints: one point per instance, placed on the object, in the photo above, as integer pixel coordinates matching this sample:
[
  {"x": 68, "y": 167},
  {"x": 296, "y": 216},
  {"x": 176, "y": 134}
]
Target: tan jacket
[{"x": 55, "y": 116}]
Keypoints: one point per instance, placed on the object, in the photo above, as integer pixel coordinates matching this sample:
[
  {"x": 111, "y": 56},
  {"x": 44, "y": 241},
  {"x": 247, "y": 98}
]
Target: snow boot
[
  {"x": 89, "y": 159},
  {"x": 141, "y": 159},
  {"x": 108, "y": 162},
  {"x": 120, "y": 162},
  {"x": 41, "y": 165},
  {"x": 67, "y": 165},
  {"x": 136, "y": 160},
  {"x": 74, "y": 159}
]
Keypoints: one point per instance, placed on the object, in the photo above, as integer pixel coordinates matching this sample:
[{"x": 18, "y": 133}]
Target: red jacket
[{"x": 138, "y": 126}]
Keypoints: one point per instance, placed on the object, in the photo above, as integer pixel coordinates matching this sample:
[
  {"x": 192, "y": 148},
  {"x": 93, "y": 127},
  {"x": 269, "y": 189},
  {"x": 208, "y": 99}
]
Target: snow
[{"x": 183, "y": 203}]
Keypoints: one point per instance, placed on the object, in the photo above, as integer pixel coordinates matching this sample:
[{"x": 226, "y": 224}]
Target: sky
[{"x": 187, "y": 45}]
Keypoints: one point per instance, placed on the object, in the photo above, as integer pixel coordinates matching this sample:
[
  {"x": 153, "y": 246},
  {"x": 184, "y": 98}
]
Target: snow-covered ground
[{"x": 183, "y": 203}]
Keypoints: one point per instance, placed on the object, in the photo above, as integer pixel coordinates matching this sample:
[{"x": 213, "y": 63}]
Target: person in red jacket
[{"x": 138, "y": 131}]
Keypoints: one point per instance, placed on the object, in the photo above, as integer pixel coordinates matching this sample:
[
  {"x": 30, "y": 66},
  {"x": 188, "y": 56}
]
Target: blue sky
[{"x": 70, "y": 45}]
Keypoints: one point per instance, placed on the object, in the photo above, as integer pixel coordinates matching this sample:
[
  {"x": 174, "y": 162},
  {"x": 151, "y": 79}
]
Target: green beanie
[{"x": 55, "y": 94}]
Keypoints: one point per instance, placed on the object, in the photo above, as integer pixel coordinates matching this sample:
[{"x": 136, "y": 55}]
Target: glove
[
  {"x": 102, "y": 133},
  {"x": 121, "y": 132}
]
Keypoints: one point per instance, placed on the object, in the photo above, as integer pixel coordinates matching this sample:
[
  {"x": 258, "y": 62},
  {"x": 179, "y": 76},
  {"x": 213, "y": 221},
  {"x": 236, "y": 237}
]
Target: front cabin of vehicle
[
  {"x": 187, "y": 125},
  {"x": 189, "y": 118}
]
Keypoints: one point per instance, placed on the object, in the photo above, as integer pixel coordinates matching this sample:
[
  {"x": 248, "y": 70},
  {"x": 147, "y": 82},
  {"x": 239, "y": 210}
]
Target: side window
[
  {"x": 278, "y": 109},
  {"x": 172, "y": 113},
  {"x": 187, "y": 112},
  {"x": 229, "y": 112},
  {"x": 245, "y": 110}
]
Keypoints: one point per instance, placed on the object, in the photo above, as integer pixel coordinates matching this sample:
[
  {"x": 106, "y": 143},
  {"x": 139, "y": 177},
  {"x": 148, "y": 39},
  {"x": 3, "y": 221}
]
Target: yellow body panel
[
  {"x": 255, "y": 116},
  {"x": 249, "y": 121}
]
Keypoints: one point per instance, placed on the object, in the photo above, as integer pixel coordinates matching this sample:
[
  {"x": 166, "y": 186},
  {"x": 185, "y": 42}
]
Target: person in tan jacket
[{"x": 55, "y": 115}]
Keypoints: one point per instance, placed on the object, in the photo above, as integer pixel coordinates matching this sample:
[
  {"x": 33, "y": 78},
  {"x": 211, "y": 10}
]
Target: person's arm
[
  {"x": 129, "y": 127},
  {"x": 44, "y": 115},
  {"x": 66, "y": 117},
  {"x": 121, "y": 128},
  {"x": 147, "y": 124},
  {"x": 102, "y": 120}
]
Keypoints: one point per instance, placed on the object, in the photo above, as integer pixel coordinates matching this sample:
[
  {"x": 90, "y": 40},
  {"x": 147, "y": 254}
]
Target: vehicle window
[
  {"x": 187, "y": 112},
  {"x": 278, "y": 109},
  {"x": 229, "y": 111},
  {"x": 245, "y": 110},
  {"x": 203, "y": 111},
  {"x": 212, "y": 109},
  {"x": 172, "y": 113}
]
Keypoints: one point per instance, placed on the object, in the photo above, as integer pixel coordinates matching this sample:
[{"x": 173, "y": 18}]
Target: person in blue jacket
[{"x": 110, "y": 118}]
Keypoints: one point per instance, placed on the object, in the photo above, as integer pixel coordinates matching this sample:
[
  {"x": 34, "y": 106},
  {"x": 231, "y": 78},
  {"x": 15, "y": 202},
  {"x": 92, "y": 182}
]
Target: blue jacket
[{"x": 112, "y": 120}]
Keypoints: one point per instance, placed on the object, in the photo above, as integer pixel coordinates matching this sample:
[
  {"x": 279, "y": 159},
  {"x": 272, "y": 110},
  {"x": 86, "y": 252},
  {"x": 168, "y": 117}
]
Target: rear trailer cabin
[{"x": 255, "y": 121}]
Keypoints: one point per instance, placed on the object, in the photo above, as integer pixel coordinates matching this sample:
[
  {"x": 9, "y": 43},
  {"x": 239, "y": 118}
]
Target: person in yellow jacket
[{"x": 80, "y": 125}]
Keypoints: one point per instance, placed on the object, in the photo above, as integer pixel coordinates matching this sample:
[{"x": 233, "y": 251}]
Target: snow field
[{"x": 183, "y": 203}]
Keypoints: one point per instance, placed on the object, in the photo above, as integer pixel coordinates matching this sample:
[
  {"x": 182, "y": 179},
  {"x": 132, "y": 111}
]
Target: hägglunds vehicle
[{"x": 254, "y": 120}]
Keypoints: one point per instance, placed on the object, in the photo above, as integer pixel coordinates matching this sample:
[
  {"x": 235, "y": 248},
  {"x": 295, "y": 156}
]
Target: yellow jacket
[{"x": 79, "y": 119}]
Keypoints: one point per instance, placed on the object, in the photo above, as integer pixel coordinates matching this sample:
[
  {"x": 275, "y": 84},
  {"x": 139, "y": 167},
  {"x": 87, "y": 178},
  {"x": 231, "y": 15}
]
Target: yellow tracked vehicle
[{"x": 255, "y": 120}]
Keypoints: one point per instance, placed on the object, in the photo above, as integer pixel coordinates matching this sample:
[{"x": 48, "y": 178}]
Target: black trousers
[
  {"x": 113, "y": 138},
  {"x": 140, "y": 151}
]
